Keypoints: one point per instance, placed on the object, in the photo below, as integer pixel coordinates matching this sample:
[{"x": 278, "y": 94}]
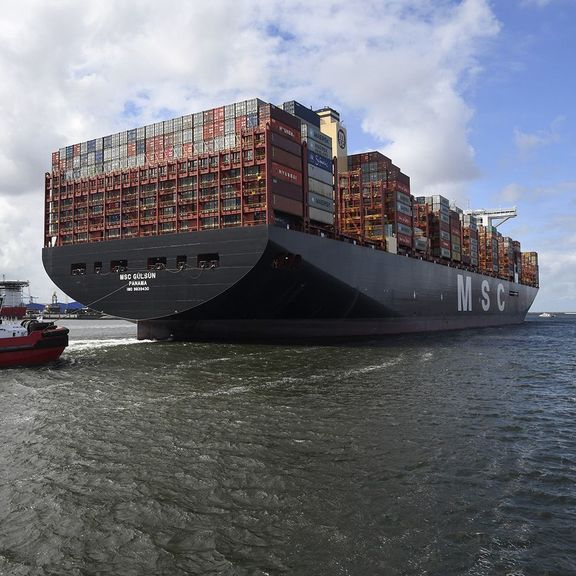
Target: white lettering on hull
[
  {"x": 464, "y": 294},
  {"x": 464, "y": 289},
  {"x": 138, "y": 281}
]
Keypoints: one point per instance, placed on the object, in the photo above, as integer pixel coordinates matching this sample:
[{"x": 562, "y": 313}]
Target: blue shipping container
[{"x": 320, "y": 161}]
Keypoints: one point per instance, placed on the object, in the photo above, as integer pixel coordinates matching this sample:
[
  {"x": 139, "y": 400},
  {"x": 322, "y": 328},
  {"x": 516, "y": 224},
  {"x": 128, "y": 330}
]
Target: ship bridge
[{"x": 488, "y": 216}]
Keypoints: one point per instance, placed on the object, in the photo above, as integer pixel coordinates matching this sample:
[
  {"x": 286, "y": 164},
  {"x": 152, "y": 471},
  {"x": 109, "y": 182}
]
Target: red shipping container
[
  {"x": 286, "y": 205},
  {"x": 219, "y": 128},
  {"x": 76, "y": 149},
  {"x": 285, "y": 130},
  {"x": 285, "y": 158},
  {"x": 219, "y": 114},
  {"x": 404, "y": 239},
  {"x": 240, "y": 124},
  {"x": 187, "y": 150},
  {"x": 208, "y": 131},
  {"x": 131, "y": 148},
  {"x": 286, "y": 174},
  {"x": 401, "y": 218},
  {"x": 286, "y": 189}
]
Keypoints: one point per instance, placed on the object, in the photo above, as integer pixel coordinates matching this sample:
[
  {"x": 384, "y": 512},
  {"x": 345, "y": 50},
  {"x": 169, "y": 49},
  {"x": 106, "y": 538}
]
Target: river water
[{"x": 451, "y": 454}]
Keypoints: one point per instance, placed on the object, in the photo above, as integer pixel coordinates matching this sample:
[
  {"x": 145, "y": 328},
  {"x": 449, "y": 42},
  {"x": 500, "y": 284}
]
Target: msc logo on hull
[{"x": 465, "y": 295}]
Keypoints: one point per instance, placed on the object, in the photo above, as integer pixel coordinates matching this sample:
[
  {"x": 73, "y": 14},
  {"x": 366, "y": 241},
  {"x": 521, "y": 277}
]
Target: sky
[{"x": 473, "y": 99}]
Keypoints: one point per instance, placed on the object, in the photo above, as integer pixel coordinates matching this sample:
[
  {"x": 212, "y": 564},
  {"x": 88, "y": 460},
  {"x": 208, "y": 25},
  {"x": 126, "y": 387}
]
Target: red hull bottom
[{"x": 30, "y": 357}]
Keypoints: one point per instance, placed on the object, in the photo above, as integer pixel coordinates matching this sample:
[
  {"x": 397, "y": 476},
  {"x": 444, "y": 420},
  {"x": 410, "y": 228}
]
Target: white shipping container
[
  {"x": 320, "y": 174},
  {"x": 313, "y": 133},
  {"x": 320, "y": 202},
  {"x": 320, "y": 188},
  {"x": 229, "y": 126},
  {"x": 403, "y": 229},
  {"x": 401, "y": 207},
  {"x": 320, "y": 149},
  {"x": 177, "y": 124},
  {"x": 187, "y": 135},
  {"x": 320, "y": 215},
  {"x": 83, "y": 147},
  {"x": 187, "y": 121},
  {"x": 198, "y": 133}
]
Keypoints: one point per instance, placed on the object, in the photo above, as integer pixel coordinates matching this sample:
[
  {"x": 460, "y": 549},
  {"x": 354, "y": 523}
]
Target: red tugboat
[{"x": 30, "y": 343}]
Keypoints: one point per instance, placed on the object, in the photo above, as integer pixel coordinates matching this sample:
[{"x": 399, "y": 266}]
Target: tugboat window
[
  {"x": 97, "y": 267},
  {"x": 181, "y": 262}
]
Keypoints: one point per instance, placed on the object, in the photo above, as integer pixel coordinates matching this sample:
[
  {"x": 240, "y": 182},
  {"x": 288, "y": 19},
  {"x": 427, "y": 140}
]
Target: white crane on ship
[{"x": 488, "y": 216}]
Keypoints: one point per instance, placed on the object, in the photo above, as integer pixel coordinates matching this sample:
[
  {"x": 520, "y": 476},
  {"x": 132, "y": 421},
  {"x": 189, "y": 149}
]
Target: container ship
[{"x": 250, "y": 221}]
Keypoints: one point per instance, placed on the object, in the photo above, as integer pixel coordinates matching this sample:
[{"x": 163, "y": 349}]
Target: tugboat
[{"x": 31, "y": 342}]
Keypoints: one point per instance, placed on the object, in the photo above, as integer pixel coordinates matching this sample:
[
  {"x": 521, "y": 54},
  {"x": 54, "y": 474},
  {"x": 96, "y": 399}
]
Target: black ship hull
[{"x": 272, "y": 283}]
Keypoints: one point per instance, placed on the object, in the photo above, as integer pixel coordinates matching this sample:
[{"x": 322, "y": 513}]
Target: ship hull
[{"x": 271, "y": 283}]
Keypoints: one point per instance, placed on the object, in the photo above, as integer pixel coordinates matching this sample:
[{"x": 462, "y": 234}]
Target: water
[{"x": 450, "y": 454}]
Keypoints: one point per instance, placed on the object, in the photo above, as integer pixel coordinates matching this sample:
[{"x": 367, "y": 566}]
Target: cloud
[
  {"x": 73, "y": 71},
  {"x": 526, "y": 142},
  {"x": 538, "y": 3}
]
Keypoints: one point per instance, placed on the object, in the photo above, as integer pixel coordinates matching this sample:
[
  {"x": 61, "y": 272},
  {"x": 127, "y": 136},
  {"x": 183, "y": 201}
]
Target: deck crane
[{"x": 487, "y": 216}]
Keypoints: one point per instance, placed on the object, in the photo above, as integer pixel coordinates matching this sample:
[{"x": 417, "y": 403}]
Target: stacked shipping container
[
  {"x": 375, "y": 201},
  {"x": 318, "y": 165},
  {"x": 252, "y": 163}
]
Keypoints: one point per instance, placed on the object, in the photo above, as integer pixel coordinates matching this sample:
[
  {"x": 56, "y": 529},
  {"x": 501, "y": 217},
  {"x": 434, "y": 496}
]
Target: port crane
[{"x": 488, "y": 216}]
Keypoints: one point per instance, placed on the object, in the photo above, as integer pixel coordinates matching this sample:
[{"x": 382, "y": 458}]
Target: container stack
[
  {"x": 439, "y": 229},
  {"x": 517, "y": 260},
  {"x": 286, "y": 161},
  {"x": 469, "y": 240},
  {"x": 253, "y": 163},
  {"x": 530, "y": 268},
  {"x": 398, "y": 208},
  {"x": 488, "y": 249},
  {"x": 456, "y": 234},
  {"x": 361, "y": 208},
  {"x": 319, "y": 164},
  {"x": 375, "y": 199},
  {"x": 506, "y": 258},
  {"x": 183, "y": 137}
]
